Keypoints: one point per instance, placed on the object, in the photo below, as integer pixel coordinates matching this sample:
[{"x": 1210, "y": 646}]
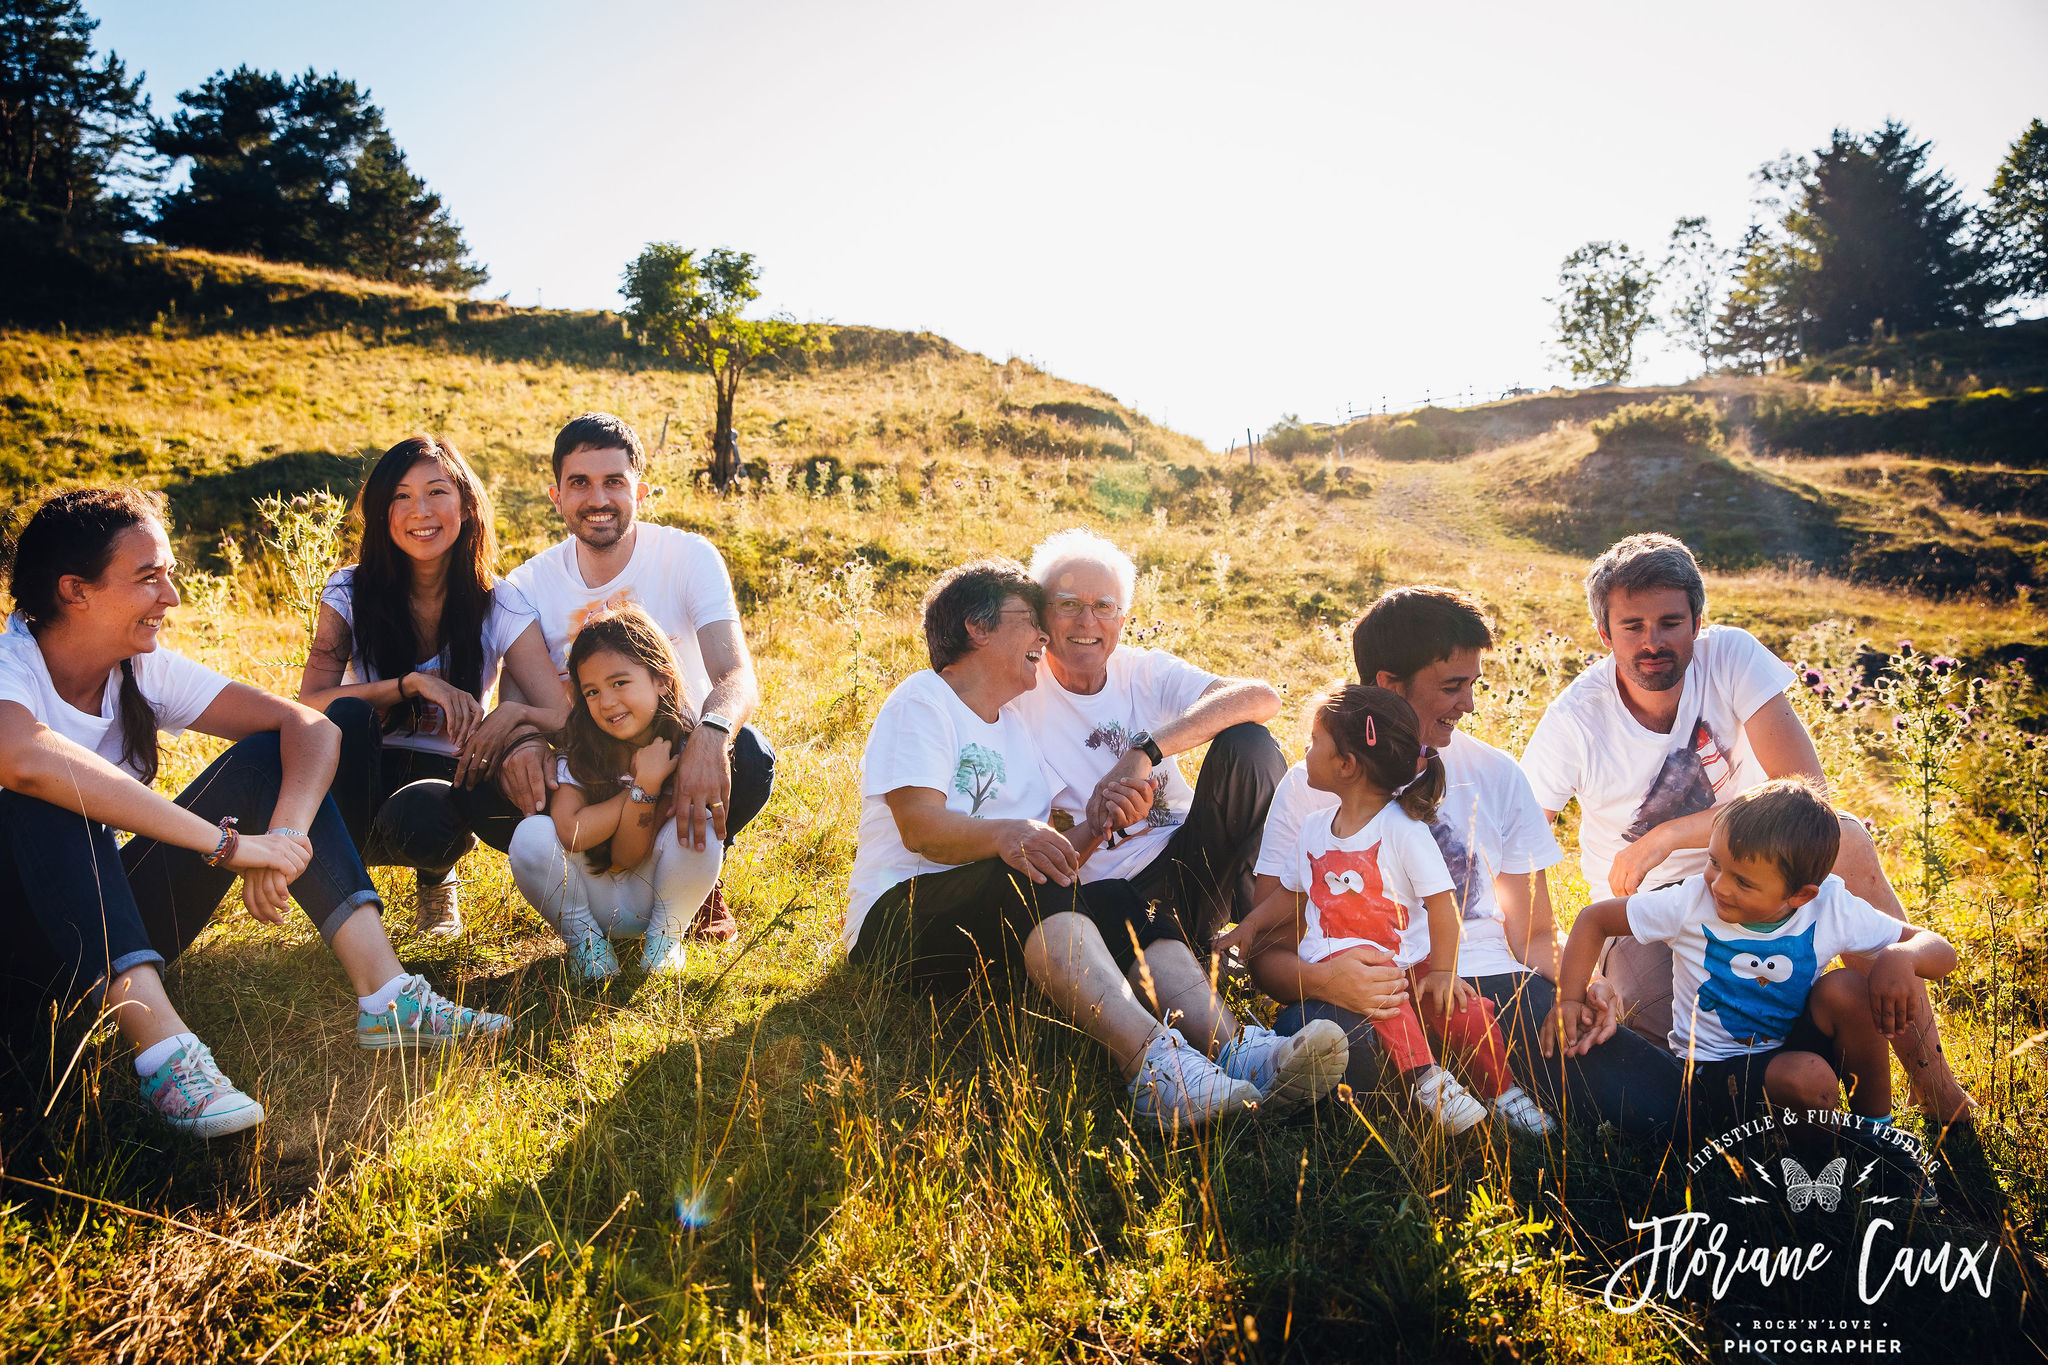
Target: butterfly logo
[
  {"x": 1350, "y": 879},
  {"x": 1824, "y": 1189}
]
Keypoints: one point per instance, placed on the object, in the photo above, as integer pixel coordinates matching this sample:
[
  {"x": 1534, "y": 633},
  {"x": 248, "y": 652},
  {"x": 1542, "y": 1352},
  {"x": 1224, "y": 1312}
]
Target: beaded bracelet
[{"x": 229, "y": 839}]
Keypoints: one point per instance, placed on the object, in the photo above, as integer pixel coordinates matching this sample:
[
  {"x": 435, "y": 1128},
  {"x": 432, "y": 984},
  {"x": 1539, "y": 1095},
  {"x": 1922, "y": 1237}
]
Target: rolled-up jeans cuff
[{"x": 339, "y": 916}]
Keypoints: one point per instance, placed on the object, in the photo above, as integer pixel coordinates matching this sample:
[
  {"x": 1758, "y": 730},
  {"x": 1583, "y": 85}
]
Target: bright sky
[{"x": 1218, "y": 213}]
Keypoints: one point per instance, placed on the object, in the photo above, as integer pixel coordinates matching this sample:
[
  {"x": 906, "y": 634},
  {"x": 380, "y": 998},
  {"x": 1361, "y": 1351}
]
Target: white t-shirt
[
  {"x": 508, "y": 618},
  {"x": 925, "y": 736},
  {"x": 676, "y": 577},
  {"x": 177, "y": 690},
  {"x": 1367, "y": 889},
  {"x": 1751, "y": 985},
  {"x": 1488, "y": 825},
  {"x": 1628, "y": 779},
  {"x": 1080, "y": 738}
]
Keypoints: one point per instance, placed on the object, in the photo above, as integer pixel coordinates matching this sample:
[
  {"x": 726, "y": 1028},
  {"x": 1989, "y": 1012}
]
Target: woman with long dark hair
[
  {"x": 409, "y": 643},
  {"x": 84, "y": 689}
]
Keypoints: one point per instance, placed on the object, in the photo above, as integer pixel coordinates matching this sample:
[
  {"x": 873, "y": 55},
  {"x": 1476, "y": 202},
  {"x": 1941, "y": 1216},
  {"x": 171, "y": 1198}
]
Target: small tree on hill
[
  {"x": 72, "y": 128},
  {"x": 1603, "y": 307},
  {"x": 1751, "y": 332},
  {"x": 689, "y": 306},
  {"x": 2018, "y": 214},
  {"x": 1696, "y": 270}
]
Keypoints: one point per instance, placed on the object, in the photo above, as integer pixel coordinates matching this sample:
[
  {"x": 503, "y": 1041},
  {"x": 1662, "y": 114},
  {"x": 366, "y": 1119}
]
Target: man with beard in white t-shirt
[
  {"x": 1427, "y": 644},
  {"x": 1678, "y": 720},
  {"x": 1105, "y": 712},
  {"x": 726, "y": 769}
]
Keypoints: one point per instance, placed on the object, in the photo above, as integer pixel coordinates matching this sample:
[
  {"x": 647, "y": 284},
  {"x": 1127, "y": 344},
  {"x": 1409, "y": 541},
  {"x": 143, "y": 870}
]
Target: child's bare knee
[
  {"x": 1804, "y": 1080},
  {"x": 1840, "y": 996}
]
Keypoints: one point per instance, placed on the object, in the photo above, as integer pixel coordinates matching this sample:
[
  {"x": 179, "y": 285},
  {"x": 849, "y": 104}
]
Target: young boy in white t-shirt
[{"x": 1754, "y": 1015}]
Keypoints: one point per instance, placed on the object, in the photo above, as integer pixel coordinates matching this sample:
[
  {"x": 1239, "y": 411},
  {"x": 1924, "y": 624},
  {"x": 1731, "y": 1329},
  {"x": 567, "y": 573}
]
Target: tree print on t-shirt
[
  {"x": 1112, "y": 736},
  {"x": 1351, "y": 899},
  {"x": 1685, "y": 785},
  {"x": 1463, "y": 867},
  {"x": 979, "y": 775}
]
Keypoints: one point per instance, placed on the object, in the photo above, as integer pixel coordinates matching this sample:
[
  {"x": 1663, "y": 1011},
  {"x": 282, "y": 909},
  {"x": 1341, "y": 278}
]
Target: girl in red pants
[{"x": 1374, "y": 879}]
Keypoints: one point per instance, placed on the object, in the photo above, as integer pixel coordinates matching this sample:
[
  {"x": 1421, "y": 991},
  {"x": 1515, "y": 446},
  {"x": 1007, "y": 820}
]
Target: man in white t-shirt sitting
[
  {"x": 679, "y": 579},
  {"x": 1678, "y": 720},
  {"x": 1428, "y": 644},
  {"x": 1104, "y": 713}
]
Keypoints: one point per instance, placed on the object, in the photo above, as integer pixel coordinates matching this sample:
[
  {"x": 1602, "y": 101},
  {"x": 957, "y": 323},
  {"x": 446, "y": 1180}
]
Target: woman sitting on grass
[
  {"x": 614, "y": 796},
  {"x": 84, "y": 689},
  {"x": 409, "y": 643},
  {"x": 959, "y": 878}
]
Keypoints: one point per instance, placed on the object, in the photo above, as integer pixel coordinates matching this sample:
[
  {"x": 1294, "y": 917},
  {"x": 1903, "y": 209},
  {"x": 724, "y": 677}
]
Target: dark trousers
[
  {"x": 753, "y": 780},
  {"x": 78, "y": 908},
  {"x": 943, "y": 931},
  {"x": 1203, "y": 877},
  {"x": 401, "y": 806},
  {"x": 1626, "y": 1081}
]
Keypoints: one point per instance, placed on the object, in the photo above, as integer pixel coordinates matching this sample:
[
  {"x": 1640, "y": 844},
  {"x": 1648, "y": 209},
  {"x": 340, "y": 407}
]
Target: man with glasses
[{"x": 1105, "y": 714}]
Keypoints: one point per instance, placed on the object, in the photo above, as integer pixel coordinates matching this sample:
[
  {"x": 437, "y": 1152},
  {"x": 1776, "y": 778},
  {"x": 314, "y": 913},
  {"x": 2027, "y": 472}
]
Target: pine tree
[
  {"x": 2018, "y": 214},
  {"x": 304, "y": 170},
  {"x": 73, "y": 130}
]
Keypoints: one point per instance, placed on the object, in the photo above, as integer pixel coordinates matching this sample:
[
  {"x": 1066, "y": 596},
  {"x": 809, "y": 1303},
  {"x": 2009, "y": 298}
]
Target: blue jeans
[
  {"x": 1627, "y": 1081},
  {"x": 77, "y": 908}
]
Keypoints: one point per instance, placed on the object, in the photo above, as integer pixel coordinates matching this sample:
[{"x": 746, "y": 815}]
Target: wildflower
[
  {"x": 1905, "y": 649},
  {"x": 1812, "y": 676},
  {"x": 1898, "y": 722}
]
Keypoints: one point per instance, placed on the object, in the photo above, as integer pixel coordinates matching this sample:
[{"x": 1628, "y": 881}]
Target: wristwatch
[
  {"x": 1148, "y": 746},
  {"x": 722, "y": 724},
  {"x": 641, "y": 796}
]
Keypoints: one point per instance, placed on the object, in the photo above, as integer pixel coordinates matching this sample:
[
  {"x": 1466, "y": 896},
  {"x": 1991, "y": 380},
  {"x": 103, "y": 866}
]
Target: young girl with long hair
[
  {"x": 1374, "y": 879},
  {"x": 85, "y": 687},
  {"x": 409, "y": 644},
  {"x": 614, "y": 796}
]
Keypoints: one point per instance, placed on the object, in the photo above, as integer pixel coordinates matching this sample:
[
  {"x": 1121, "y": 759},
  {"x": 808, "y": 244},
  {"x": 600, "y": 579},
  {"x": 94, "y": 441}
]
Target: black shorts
[
  {"x": 1730, "y": 1091},
  {"x": 946, "y": 930}
]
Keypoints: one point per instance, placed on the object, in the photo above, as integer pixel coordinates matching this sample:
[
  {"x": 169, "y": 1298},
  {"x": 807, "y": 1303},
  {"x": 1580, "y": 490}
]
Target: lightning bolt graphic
[
  {"x": 1763, "y": 1174},
  {"x": 1866, "y": 1174}
]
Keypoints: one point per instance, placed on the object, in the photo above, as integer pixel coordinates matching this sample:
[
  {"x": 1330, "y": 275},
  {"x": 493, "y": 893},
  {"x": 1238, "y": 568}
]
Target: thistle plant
[
  {"x": 303, "y": 535},
  {"x": 1930, "y": 703}
]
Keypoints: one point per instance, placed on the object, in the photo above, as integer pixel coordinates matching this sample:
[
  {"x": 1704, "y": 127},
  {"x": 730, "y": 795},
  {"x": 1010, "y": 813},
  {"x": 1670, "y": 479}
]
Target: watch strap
[
  {"x": 722, "y": 724},
  {"x": 1145, "y": 744}
]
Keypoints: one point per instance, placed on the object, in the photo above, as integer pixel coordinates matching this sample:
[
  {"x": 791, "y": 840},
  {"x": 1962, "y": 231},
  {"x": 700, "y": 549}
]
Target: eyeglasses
[{"x": 1070, "y": 609}]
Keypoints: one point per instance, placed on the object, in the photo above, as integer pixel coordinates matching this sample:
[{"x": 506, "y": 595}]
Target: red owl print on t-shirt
[{"x": 1350, "y": 899}]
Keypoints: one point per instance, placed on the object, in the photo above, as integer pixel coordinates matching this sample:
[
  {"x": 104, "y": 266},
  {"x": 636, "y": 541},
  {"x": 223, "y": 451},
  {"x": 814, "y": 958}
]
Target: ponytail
[
  {"x": 1421, "y": 797},
  {"x": 72, "y": 535},
  {"x": 138, "y": 728},
  {"x": 1378, "y": 728}
]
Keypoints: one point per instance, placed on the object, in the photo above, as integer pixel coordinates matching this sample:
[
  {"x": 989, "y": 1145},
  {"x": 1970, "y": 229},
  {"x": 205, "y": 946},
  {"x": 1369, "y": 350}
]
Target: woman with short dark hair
[
  {"x": 408, "y": 645},
  {"x": 959, "y": 876},
  {"x": 84, "y": 689}
]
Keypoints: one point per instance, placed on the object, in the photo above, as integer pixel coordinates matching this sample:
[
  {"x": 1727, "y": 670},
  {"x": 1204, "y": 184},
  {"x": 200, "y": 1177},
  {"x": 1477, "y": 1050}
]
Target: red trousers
[{"x": 1470, "y": 1036}]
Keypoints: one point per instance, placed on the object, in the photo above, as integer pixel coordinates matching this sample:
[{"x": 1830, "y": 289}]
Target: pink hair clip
[{"x": 1372, "y": 735}]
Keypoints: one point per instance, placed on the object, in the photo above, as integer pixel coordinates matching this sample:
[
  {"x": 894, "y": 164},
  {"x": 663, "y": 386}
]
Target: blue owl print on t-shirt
[{"x": 1757, "y": 987}]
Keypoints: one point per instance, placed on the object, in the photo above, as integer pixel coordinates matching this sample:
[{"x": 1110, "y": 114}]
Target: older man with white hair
[{"x": 1104, "y": 712}]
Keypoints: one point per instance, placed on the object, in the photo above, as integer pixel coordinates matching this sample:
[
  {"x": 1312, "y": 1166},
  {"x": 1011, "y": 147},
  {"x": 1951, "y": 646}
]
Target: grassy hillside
[{"x": 773, "y": 1157}]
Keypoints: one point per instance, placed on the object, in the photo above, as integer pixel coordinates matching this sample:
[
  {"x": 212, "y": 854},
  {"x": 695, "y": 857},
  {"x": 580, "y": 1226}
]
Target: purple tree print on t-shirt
[{"x": 1113, "y": 737}]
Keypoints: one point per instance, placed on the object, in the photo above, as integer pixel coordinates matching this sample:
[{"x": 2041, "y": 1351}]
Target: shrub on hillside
[
  {"x": 1290, "y": 436},
  {"x": 1672, "y": 420},
  {"x": 1410, "y": 440}
]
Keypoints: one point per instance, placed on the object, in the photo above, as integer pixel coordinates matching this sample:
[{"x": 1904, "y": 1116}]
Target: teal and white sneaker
[
  {"x": 661, "y": 955},
  {"x": 193, "y": 1097},
  {"x": 592, "y": 958},
  {"x": 1291, "y": 1072},
  {"x": 1178, "y": 1088},
  {"x": 423, "y": 1017}
]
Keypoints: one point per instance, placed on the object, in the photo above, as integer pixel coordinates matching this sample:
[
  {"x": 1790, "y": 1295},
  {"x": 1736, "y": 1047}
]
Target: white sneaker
[
  {"x": 1453, "y": 1107},
  {"x": 1176, "y": 1086},
  {"x": 1518, "y": 1110},
  {"x": 193, "y": 1097},
  {"x": 437, "y": 909},
  {"x": 1290, "y": 1072}
]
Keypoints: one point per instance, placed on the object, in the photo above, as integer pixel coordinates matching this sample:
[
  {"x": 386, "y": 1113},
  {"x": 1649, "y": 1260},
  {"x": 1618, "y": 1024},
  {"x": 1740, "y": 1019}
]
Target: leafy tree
[
  {"x": 72, "y": 129},
  {"x": 1696, "y": 269},
  {"x": 690, "y": 307},
  {"x": 1751, "y": 331},
  {"x": 2018, "y": 213},
  {"x": 1602, "y": 309},
  {"x": 397, "y": 229},
  {"x": 304, "y": 170},
  {"x": 1872, "y": 234}
]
